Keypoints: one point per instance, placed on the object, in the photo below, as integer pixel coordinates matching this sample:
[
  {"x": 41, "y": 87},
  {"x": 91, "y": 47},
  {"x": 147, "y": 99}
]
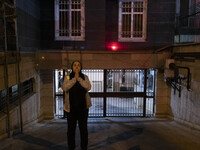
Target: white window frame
[
  {"x": 70, "y": 37},
  {"x": 144, "y": 32}
]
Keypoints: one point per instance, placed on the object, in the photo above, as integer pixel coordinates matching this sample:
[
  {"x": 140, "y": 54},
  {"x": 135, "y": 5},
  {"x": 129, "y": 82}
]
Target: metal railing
[
  {"x": 26, "y": 89},
  {"x": 122, "y": 106}
]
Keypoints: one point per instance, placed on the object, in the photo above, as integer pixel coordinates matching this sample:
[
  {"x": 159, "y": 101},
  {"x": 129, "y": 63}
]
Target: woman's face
[{"x": 76, "y": 67}]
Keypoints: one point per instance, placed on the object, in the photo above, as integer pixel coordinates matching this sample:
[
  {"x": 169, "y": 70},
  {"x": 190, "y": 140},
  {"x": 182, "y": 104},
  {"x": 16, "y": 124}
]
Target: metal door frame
[{"x": 106, "y": 94}]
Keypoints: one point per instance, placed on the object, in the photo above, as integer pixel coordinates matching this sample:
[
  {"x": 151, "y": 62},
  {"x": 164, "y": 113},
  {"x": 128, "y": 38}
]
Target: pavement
[{"x": 114, "y": 133}]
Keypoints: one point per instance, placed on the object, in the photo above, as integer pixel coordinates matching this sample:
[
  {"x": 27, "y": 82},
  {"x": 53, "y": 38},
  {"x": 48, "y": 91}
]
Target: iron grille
[{"x": 117, "y": 93}]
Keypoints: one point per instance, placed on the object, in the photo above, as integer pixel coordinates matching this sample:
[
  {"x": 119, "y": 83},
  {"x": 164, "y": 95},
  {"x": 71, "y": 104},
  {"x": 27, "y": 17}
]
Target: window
[
  {"x": 2, "y": 100},
  {"x": 194, "y": 14},
  {"x": 132, "y": 20},
  {"x": 69, "y": 20},
  {"x": 26, "y": 89},
  {"x": 13, "y": 91},
  {"x": 188, "y": 13}
]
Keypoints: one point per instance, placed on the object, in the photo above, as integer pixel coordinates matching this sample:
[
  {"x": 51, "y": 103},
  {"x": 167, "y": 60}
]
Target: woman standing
[{"x": 77, "y": 103}]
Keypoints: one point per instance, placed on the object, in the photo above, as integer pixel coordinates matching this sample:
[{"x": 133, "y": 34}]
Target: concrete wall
[
  {"x": 100, "y": 60},
  {"x": 160, "y": 25},
  {"x": 46, "y": 95},
  {"x": 94, "y": 27},
  {"x": 27, "y": 70},
  {"x": 186, "y": 108},
  {"x": 162, "y": 98},
  {"x": 31, "y": 104},
  {"x": 101, "y": 26},
  {"x": 28, "y": 24},
  {"x": 29, "y": 115}
]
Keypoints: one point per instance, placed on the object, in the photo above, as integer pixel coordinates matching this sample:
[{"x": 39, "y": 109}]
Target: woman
[{"x": 77, "y": 103}]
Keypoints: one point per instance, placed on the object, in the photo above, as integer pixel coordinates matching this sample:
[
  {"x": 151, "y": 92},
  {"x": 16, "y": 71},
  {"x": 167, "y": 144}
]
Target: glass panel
[
  {"x": 126, "y": 25},
  {"x": 125, "y": 80},
  {"x": 2, "y": 100},
  {"x": 27, "y": 87},
  {"x": 64, "y": 23},
  {"x": 60, "y": 24},
  {"x": 95, "y": 111},
  {"x": 58, "y": 81},
  {"x": 59, "y": 106},
  {"x": 96, "y": 79},
  {"x": 76, "y": 4},
  {"x": 76, "y": 23},
  {"x": 149, "y": 107},
  {"x": 97, "y": 107},
  {"x": 126, "y": 7},
  {"x": 137, "y": 25},
  {"x": 117, "y": 81},
  {"x": 138, "y": 7},
  {"x": 13, "y": 93},
  {"x": 150, "y": 82},
  {"x": 63, "y": 4},
  {"x": 119, "y": 106}
]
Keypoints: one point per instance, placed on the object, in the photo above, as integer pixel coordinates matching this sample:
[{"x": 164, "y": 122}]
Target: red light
[{"x": 114, "y": 48}]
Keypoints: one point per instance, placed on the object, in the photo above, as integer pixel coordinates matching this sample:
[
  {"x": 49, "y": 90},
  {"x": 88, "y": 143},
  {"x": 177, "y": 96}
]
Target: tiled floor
[{"x": 108, "y": 134}]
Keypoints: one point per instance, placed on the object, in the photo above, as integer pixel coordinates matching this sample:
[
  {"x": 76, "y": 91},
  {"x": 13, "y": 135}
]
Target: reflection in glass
[
  {"x": 125, "y": 80},
  {"x": 58, "y": 81},
  {"x": 96, "y": 79}
]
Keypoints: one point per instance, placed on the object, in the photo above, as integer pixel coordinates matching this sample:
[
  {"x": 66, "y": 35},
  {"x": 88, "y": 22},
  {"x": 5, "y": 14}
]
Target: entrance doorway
[{"x": 121, "y": 92}]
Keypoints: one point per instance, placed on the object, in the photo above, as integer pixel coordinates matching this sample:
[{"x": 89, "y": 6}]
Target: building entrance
[{"x": 121, "y": 92}]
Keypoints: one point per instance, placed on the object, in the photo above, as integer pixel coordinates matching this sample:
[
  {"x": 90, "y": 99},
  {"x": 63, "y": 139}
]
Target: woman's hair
[{"x": 72, "y": 74}]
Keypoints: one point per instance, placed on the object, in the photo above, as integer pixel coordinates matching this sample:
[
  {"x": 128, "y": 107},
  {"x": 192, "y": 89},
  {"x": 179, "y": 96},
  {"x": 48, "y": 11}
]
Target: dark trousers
[{"x": 72, "y": 119}]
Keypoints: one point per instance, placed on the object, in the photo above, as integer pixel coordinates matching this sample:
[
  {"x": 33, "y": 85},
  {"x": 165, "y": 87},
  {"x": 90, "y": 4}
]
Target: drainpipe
[
  {"x": 18, "y": 58},
  {"x": 6, "y": 71}
]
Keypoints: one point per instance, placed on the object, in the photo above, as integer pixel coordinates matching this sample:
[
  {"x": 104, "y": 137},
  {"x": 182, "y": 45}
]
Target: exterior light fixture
[{"x": 114, "y": 48}]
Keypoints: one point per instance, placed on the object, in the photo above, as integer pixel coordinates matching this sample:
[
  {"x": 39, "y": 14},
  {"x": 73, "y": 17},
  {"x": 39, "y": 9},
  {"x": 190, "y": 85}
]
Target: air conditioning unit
[{"x": 168, "y": 73}]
